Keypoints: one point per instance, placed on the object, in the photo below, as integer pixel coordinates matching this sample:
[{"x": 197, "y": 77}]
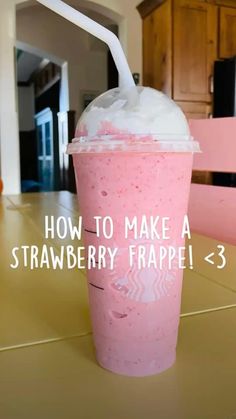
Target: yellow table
[{"x": 47, "y": 364}]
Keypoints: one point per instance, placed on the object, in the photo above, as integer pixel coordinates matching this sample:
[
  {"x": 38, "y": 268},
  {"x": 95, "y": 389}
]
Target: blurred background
[{"x": 50, "y": 70}]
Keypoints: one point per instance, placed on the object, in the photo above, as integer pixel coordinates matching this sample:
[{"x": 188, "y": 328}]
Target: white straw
[{"x": 84, "y": 22}]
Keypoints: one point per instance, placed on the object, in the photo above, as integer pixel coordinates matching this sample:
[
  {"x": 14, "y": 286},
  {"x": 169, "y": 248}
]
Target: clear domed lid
[{"x": 138, "y": 116}]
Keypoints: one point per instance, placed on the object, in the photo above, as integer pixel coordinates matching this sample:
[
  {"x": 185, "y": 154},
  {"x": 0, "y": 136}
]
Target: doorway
[
  {"x": 38, "y": 82},
  {"x": 75, "y": 67},
  {"x": 47, "y": 150}
]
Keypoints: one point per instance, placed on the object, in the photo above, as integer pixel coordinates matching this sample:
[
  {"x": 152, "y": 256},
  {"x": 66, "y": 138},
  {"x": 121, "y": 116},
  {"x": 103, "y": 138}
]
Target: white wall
[
  {"x": 9, "y": 136},
  {"x": 125, "y": 13},
  {"x": 26, "y": 108},
  {"x": 130, "y": 26},
  {"x": 87, "y": 61},
  {"x": 130, "y": 29}
]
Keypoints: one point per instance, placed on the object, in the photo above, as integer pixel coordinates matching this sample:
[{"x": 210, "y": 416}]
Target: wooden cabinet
[
  {"x": 181, "y": 41},
  {"x": 194, "y": 110},
  {"x": 202, "y": 177},
  {"x": 227, "y": 32},
  {"x": 157, "y": 49},
  {"x": 195, "y": 49},
  {"x": 230, "y": 3}
]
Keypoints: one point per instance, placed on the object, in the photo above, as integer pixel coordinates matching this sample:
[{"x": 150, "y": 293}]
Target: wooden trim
[
  {"x": 147, "y": 6},
  {"x": 228, "y": 3},
  {"x": 49, "y": 85},
  {"x": 40, "y": 68}
]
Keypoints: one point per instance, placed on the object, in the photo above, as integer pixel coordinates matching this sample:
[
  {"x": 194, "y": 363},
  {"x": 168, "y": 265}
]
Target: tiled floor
[{"x": 61, "y": 379}]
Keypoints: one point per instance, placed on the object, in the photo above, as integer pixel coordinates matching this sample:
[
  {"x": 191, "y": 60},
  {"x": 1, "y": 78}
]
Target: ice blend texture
[{"x": 135, "y": 312}]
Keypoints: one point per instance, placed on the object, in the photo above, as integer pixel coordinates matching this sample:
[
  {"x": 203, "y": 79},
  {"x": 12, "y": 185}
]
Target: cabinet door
[
  {"x": 195, "y": 49},
  {"x": 227, "y": 32},
  {"x": 157, "y": 49},
  {"x": 195, "y": 110}
]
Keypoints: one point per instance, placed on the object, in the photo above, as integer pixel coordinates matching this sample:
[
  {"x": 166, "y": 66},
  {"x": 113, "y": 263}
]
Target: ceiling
[{"x": 26, "y": 65}]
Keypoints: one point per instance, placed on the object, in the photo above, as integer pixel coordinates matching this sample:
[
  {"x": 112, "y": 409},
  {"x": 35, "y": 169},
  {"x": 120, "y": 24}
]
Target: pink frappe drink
[{"x": 134, "y": 309}]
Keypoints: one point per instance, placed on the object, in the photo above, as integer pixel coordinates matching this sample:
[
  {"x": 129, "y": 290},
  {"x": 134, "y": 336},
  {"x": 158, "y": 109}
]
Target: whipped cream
[{"x": 140, "y": 110}]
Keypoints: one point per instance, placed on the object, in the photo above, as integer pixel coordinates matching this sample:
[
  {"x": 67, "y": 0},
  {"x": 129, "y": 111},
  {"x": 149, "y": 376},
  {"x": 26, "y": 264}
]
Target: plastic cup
[{"x": 135, "y": 312}]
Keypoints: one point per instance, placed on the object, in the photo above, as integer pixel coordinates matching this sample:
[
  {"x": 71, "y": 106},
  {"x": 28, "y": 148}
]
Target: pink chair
[{"x": 212, "y": 209}]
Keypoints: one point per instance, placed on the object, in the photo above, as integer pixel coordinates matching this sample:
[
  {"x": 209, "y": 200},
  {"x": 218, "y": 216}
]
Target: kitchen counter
[{"x": 47, "y": 363}]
